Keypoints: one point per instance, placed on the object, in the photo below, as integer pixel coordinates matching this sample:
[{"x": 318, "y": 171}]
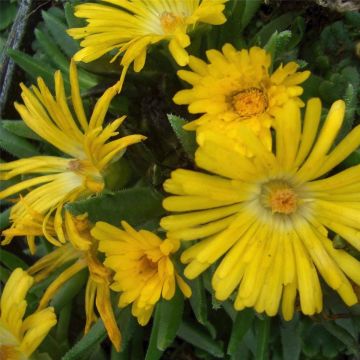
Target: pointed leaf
[
  {"x": 171, "y": 312},
  {"x": 186, "y": 138},
  {"x": 19, "y": 128},
  {"x": 242, "y": 324},
  {"x": 135, "y": 205}
]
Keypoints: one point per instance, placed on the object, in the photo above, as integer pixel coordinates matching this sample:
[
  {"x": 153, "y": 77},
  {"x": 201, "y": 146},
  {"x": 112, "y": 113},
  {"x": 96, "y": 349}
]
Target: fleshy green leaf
[
  {"x": 136, "y": 206},
  {"x": 16, "y": 145},
  {"x": 19, "y": 128},
  {"x": 4, "y": 219},
  {"x": 242, "y": 323},
  {"x": 11, "y": 261},
  {"x": 291, "y": 340},
  {"x": 36, "y": 68},
  {"x": 170, "y": 313},
  {"x": 186, "y": 138},
  {"x": 197, "y": 336},
  {"x": 153, "y": 353},
  {"x": 263, "y": 334},
  {"x": 58, "y": 30}
]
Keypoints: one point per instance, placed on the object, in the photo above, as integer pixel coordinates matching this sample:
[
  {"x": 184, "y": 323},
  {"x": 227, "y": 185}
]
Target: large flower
[
  {"x": 237, "y": 88},
  {"x": 268, "y": 216},
  {"x": 62, "y": 179},
  {"x": 80, "y": 253},
  {"x": 19, "y": 337},
  {"x": 131, "y": 26},
  {"x": 143, "y": 268}
]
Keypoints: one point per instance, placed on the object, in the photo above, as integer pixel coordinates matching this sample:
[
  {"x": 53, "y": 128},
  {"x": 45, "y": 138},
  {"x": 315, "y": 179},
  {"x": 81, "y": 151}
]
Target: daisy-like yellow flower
[
  {"x": 131, "y": 26},
  {"x": 268, "y": 216},
  {"x": 143, "y": 268},
  {"x": 236, "y": 88},
  {"x": 81, "y": 250},
  {"x": 60, "y": 179},
  {"x": 20, "y": 337}
]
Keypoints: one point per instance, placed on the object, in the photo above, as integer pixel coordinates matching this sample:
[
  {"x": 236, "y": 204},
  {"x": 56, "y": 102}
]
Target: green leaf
[
  {"x": 16, "y": 145},
  {"x": 69, "y": 290},
  {"x": 5, "y": 219},
  {"x": 136, "y": 206},
  {"x": 54, "y": 54},
  {"x": 353, "y": 159},
  {"x": 250, "y": 7},
  {"x": 170, "y": 313},
  {"x": 278, "y": 43},
  {"x": 290, "y": 340},
  {"x": 7, "y": 14},
  {"x": 86, "y": 345},
  {"x": 279, "y": 24},
  {"x": 186, "y": 138},
  {"x": 11, "y": 261},
  {"x": 342, "y": 335},
  {"x": 58, "y": 31},
  {"x": 19, "y": 128},
  {"x": 196, "y": 335},
  {"x": 71, "y": 19},
  {"x": 198, "y": 300},
  {"x": 36, "y": 68},
  {"x": 153, "y": 353},
  {"x": 263, "y": 334},
  {"x": 242, "y": 324}
]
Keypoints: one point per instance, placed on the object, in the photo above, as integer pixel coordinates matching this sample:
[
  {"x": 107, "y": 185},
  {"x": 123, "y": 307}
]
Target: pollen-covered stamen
[
  {"x": 169, "y": 21},
  {"x": 249, "y": 102},
  {"x": 279, "y": 197}
]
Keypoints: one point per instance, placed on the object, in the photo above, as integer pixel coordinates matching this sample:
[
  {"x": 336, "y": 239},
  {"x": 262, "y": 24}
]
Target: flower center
[
  {"x": 93, "y": 180},
  {"x": 169, "y": 21},
  {"x": 8, "y": 352},
  {"x": 249, "y": 102},
  {"x": 279, "y": 197}
]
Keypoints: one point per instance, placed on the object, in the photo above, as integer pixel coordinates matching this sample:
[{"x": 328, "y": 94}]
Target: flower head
[
  {"x": 268, "y": 216},
  {"x": 143, "y": 268},
  {"x": 132, "y": 26},
  {"x": 19, "y": 337},
  {"x": 81, "y": 253},
  {"x": 59, "y": 179},
  {"x": 236, "y": 87}
]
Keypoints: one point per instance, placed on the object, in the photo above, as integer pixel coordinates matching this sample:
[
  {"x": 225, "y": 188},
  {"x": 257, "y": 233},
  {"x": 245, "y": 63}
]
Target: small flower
[
  {"x": 268, "y": 216},
  {"x": 62, "y": 179},
  {"x": 143, "y": 268},
  {"x": 19, "y": 337},
  {"x": 236, "y": 88},
  {"x": 81, "y": 252},
  {"x": 131, "y": 27}
]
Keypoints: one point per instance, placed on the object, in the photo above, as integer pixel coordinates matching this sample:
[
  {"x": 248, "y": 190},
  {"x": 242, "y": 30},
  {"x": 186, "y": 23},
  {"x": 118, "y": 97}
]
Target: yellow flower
[
  {"x": 143, "y": 268},
  {"x": 130, "y": 26},
  {"x": 81, "y": 250},
  {"x": 19, "y": 337},
  {"x": 236, "y": 88},
  {"x": 61, "y": 179},
  {"x": 268, "y": 216}
]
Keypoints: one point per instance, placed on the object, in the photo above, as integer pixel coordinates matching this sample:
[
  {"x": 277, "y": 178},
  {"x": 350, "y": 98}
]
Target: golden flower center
[
  {"x": 169, "y": 21},
  {"x": 249, "y": 102},
  {"x": 93, "y": 180},
  {"x": 279, "y": 197},
  {"x": 8, "y": 352}
]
